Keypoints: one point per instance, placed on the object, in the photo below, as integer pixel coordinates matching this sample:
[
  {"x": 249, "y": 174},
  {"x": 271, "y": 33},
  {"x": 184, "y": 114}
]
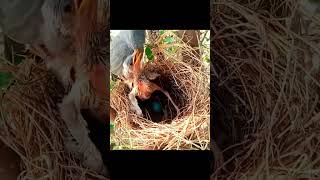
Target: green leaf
[
  {"x": 207, "y": 59},
  {"x": 169, "y": 40},
  {"x": 172, "y": 49},
  {"x": 111, "y": 128},
  {"x": 112, "y": 84},
  {"x": 5, "y": 79},
  {"x": 18, "y": 59},
  {"x": 161, "y": 32},
  {"x": 149, "y": 53},
  {"x": 169, "y": 50}
]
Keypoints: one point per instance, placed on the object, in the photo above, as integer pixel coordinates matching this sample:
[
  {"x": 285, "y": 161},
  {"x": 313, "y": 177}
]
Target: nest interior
[
  {"x": 158, "y": 108},
  {"x": 189, "y": 90},
  {"x": 167, "y": 113}
]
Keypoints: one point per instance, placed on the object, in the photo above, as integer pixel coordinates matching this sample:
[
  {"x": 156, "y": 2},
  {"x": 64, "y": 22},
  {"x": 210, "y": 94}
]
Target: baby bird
[
  {"x": 45, "y": 26},
  {"x": 89, "y": 90},
  {"x": 142, "y": 85},
  {"x": 50, "y": 27},
  {"x": 45, "y": 23},
  {"x": 122, "y": 47}
]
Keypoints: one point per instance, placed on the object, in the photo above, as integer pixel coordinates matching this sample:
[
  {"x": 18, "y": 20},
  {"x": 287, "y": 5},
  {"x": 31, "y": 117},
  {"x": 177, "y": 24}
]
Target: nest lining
[
  {"x": 32, "y": 126},
  {"x": 267, "y": 90},
  {"x": 189, "y": 89}
]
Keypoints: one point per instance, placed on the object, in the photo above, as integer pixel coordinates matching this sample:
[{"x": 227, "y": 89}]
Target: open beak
[
  {"x": 86, "y": 11},
  {"x": 137, "y": 60}
]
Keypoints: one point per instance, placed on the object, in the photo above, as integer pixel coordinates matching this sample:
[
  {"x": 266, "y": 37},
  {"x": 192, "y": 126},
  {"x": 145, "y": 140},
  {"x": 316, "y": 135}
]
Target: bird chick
[
  {"x": 122, "y": 48},
  {"x": 142, "y": 85},
  {"x": 46, "y": 28},
  {"x": 89, "y": 90},
  {"x": 51, "y": 27}
]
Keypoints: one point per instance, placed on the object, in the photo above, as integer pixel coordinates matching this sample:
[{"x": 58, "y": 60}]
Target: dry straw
[
  {"x": 188, "y": 86},
  {"x": 32, "y": 127},
  {"x": 266, "y": 57}
]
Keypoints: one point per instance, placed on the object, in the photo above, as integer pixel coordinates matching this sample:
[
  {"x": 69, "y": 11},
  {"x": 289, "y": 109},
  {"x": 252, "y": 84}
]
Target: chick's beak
[{"x": 137, "y": 60}]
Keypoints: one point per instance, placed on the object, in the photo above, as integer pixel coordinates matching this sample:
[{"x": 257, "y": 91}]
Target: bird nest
[
  {"x": 267, "y": 77},
  {"x": 188, "y": 86},
  {"x": 30, "y": 124}
]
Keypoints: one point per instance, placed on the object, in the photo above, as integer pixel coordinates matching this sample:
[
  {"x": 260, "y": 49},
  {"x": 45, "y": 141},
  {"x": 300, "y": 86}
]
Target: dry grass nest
[
  {"x": 32, "y": 127},
  {"x": 189, "y": 88},
  {"x": 266, "y": 68}
]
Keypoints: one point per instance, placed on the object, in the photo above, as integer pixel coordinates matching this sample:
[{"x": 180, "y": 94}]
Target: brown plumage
[
  {"x": 89, "y": 90},
  {"x": 92, "y": 46}
]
